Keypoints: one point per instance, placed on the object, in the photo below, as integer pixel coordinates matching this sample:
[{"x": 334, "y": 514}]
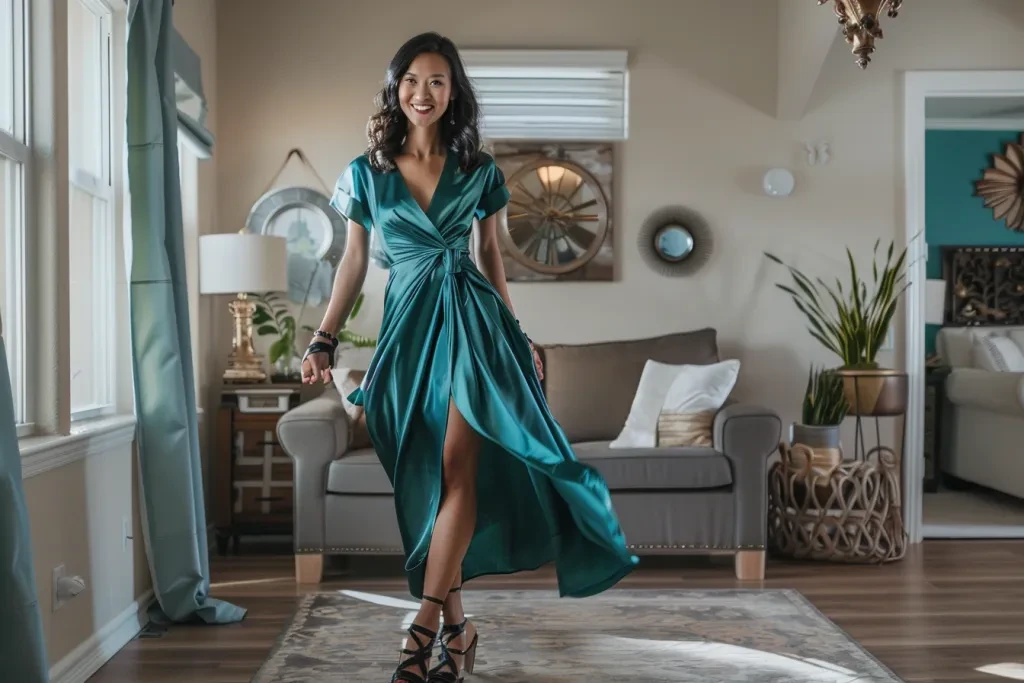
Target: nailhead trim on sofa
[{"x": 631, "y": 547}]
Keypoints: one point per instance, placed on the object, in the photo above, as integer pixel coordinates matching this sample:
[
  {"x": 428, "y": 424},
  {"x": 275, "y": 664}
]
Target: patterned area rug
[{"x": 746, "y": 636}]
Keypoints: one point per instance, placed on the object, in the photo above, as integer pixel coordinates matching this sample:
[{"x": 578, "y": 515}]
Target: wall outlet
[{"x": 56, "y": 602}]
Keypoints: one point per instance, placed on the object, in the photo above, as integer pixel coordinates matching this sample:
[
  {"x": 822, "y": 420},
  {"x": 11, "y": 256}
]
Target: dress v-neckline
[{"x": 433, "y": 195}]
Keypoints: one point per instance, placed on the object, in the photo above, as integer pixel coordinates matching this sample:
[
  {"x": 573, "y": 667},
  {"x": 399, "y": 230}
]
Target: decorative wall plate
[
  {"x": 558, "y": 216},
  {"x": 675, "y": 241},
  {"x": 316, "y": 236},
  {"x": 1002, "y": 186}
]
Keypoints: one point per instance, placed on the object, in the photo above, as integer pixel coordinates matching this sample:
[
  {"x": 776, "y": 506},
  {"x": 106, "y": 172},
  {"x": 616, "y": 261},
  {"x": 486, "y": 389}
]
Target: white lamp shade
[
  {"x": 235, "y": 263},
  {"x": 934, "y": 302}
]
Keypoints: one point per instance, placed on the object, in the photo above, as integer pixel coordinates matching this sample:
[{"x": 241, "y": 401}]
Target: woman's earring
[{"x": 452, "y": 108}]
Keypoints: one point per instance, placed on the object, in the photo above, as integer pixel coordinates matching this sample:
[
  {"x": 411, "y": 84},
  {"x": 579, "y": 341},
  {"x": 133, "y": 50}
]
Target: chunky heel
[{"x": 446, "y": 670}]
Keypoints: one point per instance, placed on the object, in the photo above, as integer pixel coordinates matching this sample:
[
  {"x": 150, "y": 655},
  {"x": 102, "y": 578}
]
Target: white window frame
[
  {"x": 104, "y": 245},
  {"x": 188, "y": 177},
  {"x": 15, "y": 149},
  {"x": 551, "y": 94}
]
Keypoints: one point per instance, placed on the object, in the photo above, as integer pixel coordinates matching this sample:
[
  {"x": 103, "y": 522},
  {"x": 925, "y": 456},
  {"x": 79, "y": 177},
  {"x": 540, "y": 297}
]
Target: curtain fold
[
  {"x": 174, "y": 518},
  {"x": 22, "y": 646}
]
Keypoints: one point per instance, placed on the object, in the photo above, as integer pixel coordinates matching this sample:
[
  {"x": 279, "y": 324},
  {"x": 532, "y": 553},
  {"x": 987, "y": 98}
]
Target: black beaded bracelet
[{"x": 326, "y": 335}]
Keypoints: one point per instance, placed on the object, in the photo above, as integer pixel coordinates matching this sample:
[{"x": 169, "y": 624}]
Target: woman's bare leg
[{"x": 453, "y": 527}]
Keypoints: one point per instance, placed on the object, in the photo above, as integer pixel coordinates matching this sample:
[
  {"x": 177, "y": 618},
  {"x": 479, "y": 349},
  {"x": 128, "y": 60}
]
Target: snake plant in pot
[
  {"x": 824, "y": 409},
  {"x": 852, "y": 322}
]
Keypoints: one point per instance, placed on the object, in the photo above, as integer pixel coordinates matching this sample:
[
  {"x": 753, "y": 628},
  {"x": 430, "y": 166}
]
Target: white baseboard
[{"x": 87, "y": 658}]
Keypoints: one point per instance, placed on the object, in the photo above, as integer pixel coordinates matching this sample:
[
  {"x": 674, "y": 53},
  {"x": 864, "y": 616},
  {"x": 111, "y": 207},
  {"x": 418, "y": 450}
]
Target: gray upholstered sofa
[{"x": 669, "y": 500}]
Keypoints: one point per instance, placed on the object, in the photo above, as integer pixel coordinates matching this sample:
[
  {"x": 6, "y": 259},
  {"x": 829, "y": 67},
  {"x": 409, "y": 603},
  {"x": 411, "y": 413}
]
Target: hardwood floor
[{"x": 945, "y": 610}]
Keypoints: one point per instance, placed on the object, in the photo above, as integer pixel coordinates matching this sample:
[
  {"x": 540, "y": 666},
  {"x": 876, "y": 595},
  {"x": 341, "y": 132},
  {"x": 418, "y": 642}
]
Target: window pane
[
  {"x": 7, "y": 79},
  {"x": 5, "y": 230},
  {"x": 91, "y": 282},
  {"x": 12, "y": 284},
  {"x": 86, "y": 47}
]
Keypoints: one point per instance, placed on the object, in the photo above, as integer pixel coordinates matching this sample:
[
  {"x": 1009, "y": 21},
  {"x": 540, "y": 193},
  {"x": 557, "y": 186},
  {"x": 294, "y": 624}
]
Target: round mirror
[
  {"x": 316, "y": 239},
  {"x": 673, "y": 243}
]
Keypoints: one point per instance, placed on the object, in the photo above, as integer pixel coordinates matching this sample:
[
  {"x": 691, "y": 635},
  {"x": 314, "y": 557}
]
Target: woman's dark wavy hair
[{"x": 387, "y": 128}]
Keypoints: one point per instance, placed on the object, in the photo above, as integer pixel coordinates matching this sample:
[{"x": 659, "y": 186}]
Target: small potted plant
[
  {"x": 853, "y": 323},
  {"x": 824, "y": 409}
]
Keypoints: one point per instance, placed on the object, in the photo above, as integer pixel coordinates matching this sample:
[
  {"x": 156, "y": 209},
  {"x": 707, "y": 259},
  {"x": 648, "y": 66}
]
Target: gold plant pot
[{"x": 875, "y": 392}]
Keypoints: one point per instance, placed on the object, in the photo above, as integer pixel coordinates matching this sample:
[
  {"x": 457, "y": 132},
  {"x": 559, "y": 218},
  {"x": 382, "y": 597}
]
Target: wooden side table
[
  {"x": 934, "y": 434},
  {"x": 251, "y": 476}
]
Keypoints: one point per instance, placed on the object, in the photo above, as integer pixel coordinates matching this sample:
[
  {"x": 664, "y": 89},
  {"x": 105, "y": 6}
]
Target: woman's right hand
[{"x": 316, "y": 366}]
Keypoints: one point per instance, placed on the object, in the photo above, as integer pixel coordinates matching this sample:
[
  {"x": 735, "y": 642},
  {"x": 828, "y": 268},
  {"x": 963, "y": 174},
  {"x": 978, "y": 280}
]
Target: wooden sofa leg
[
  {"x": 750, "y": 565},
  {"x": 309, "y": 569}
]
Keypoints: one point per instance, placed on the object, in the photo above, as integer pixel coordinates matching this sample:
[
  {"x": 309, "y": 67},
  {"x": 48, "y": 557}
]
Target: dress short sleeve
[
  {"x": 494, "y": 194},
  {"x": 350, "y": 197}
]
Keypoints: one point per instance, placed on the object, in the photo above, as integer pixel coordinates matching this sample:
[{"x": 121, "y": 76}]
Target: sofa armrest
[
  {"x": 997, "y": 392},
  {"x": 313, "y": 434},
  {"x": 747, "y": 435}
]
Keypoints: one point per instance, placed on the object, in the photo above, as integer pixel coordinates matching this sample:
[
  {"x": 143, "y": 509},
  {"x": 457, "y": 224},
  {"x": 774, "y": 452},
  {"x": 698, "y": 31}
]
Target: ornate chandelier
[{"x": 860, "y": 23}]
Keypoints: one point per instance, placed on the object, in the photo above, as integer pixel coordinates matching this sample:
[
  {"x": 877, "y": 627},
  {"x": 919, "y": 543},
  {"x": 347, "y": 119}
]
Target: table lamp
[
  {"x": 935, "y": 302},
  {"x": 240, "y": 263}
]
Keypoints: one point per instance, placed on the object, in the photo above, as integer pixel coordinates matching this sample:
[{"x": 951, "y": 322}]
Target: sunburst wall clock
[{"x": 1002, "y": 186}]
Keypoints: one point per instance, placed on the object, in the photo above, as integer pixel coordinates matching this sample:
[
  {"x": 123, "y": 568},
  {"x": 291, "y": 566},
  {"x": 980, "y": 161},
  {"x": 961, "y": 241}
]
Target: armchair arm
[
  {"x": 997, "y": 392},
  {"x": 313, "y": 434},
  {"x": 747, "y": 435}
]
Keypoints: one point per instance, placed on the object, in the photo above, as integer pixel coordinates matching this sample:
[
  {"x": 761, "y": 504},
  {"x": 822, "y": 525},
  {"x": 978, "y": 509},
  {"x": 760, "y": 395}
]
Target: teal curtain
[
  {"x": 168, "y": 437},
  {"x": 22, "y": 647}
]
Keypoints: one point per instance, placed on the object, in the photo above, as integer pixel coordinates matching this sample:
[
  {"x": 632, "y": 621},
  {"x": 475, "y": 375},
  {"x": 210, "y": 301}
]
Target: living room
[{"x": 151, "y": 460}]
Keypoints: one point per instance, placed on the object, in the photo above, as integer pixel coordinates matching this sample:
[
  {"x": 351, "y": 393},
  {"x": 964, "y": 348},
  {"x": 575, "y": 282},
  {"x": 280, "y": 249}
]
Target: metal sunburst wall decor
[
  {"x": 1002, "y": 186},
  {"x": 675, "y": 241}
]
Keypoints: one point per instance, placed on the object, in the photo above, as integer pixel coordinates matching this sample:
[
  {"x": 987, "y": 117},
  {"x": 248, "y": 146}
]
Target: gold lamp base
[{"x": 244, "y": 364}]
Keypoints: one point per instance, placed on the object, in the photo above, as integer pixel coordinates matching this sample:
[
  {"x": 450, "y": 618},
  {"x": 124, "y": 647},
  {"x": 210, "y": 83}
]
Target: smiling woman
[{"x": 485, "y": 480}]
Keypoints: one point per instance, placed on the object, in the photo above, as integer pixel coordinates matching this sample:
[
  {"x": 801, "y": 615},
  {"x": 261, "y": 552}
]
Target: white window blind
[{"x": 551, "y": 94}]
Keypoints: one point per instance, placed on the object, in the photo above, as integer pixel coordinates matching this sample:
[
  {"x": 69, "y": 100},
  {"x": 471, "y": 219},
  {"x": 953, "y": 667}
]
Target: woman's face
[{"x": 425, "y": 89}]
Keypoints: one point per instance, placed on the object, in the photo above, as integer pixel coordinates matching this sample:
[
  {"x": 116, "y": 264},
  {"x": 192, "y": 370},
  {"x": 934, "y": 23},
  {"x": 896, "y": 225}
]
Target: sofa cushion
[
  {"x": 358, "y": 471},
  {"x": 590, "y": 387},
  {"x": 656, "y": 468}
]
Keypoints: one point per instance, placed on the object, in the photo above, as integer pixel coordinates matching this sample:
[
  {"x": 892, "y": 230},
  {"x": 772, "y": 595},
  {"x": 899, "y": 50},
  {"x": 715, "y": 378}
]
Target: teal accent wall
[{"x": 954, "y": 160}]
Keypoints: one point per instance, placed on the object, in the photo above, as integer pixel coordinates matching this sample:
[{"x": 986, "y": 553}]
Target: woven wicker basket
[{"x": 848, "y": 513}]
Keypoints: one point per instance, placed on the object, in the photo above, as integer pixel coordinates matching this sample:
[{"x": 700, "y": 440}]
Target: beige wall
[
  {"x": 702, "y": 131},
  {"x": 75, "y": 514}
]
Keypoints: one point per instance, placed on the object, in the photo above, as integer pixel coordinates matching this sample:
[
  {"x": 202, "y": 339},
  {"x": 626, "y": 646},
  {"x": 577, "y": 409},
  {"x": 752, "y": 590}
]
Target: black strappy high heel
[
  {"x": 446, "y": 670},
  {"x": 420, "y": 656}
]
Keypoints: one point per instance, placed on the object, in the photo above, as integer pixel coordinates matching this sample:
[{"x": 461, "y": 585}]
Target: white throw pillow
[
  {"x": 656, "y": 381},
  {"x": 700, "y": 388},
  {"x": 997, "y": 353}
]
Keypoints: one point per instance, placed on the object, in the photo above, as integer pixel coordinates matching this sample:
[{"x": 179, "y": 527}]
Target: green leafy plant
[
  {"x": 851, "y": 322},
  {"x": 272, "y": 317},
  {"x": 347, "y": 336},
  {"x": 824, "y": 400}
]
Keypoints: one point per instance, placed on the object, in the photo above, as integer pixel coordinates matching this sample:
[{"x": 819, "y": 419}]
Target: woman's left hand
[{"x": 536, "y": 362}]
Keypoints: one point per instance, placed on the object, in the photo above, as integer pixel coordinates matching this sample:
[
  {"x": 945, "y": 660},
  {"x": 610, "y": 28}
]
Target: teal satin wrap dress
[{"x": 447, "y": 335}]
